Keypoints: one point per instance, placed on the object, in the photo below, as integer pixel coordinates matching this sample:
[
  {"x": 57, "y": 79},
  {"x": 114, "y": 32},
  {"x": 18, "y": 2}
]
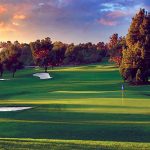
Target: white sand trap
[
  {"x": 42, "y": 75},
  {"x": 13, "y": 108},
  {"x": 4, "y": 79}
]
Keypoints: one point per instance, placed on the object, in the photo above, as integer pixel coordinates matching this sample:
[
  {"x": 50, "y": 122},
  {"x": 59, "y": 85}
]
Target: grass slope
[{"x": 79, "y": 103}]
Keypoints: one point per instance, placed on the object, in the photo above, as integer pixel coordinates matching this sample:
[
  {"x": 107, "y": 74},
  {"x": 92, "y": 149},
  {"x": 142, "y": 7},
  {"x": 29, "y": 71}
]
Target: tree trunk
[
  {"x": 45, "y": 69},
  {"x": 13, "y": 74},
  {"x": 14, "y": 71},
  {"x": 1, "y": 73}
]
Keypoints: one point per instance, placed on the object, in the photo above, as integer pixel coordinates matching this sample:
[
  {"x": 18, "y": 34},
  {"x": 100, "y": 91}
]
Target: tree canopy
[
  {"x": 10, "y": 58},
  {"x": 136, "y": 56}
]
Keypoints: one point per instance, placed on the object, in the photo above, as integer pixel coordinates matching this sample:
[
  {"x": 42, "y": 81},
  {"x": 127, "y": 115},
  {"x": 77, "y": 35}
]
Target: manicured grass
[
  {"x": 79, "y": 104},
  {"x": 46, "y": 144}
]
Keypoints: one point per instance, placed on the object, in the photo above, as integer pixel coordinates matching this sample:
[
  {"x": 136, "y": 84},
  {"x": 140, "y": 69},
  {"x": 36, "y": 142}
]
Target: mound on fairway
[{"x": 42, "y": 75}]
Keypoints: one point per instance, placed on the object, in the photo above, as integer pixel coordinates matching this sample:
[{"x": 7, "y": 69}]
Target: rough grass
[{"x": 79, "y": 106}]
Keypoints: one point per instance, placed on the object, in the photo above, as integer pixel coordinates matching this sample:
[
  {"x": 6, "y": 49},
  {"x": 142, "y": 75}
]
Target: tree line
[
  {"x": 131, "y": 53},
  {"x": 45, "y": 53}
]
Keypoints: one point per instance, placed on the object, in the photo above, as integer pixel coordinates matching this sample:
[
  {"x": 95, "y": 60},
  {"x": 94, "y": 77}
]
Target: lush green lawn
[
  {"x": 79, "y": 106},
  {"x": 46, "y": 144}
]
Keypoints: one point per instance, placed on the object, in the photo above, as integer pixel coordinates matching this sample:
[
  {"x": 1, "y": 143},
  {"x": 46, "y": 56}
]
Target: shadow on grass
[
  {"x": 76, "y": 131},
  {"x": 63, "y": 124},
  {"x": 10, "y": 95}
]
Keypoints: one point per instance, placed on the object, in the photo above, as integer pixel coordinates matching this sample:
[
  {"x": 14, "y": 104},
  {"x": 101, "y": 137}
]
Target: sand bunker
[
  {"x": 14, "y": 108},
  {"x": 4, "y": 79},
  {"x": 42, "y": 75}
]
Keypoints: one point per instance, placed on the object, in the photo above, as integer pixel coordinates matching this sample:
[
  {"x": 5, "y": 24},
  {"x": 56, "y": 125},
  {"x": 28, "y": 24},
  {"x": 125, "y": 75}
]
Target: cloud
[
  {"x": 68, "y": 17},
  {"x": 19, "y": 17},
  {"x": 12, "y": 22},
  {"x": 117, "y": 14},
  {"x": 6, "y": 28},
  {"x": 15, "y": 24},
  {"x": 107, "y": 22},
  {"x": 111, "y": 7},
  {"x": 2, "y": 9}
]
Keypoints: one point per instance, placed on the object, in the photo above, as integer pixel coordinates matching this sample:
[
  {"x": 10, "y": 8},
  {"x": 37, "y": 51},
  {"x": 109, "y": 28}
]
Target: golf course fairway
[{"x": 79, "y": 108}]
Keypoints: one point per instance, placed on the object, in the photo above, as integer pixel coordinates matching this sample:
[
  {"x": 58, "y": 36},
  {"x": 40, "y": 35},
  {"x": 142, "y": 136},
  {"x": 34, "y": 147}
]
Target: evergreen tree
[{"x": 136, "y": 56}]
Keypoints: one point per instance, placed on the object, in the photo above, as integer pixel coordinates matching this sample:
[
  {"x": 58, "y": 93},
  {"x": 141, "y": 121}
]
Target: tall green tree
[{"x": 136, "y": 56}]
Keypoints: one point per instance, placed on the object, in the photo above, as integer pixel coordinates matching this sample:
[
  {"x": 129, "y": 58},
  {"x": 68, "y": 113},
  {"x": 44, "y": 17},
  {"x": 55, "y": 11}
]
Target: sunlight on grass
[
  {"x": 78, "y": 92},
  {"x": 91, "y": 68},
  {"x": 76, "y": 122},
  {"x": 15, "y": 143}
]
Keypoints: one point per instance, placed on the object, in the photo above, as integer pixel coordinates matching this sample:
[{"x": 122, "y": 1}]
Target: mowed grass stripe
[
  {"x": 78, "y": 123},
  {"x": 46, "y": 144}
]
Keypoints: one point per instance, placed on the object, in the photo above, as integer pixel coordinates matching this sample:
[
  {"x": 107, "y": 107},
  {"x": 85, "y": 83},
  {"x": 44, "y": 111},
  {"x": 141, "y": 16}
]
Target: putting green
[{"x": 81, "y": 103}]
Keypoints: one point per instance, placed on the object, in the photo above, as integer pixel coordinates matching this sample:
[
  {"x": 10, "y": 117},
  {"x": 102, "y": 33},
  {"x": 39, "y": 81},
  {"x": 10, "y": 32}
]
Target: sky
[{"x": 69, "y": 21}]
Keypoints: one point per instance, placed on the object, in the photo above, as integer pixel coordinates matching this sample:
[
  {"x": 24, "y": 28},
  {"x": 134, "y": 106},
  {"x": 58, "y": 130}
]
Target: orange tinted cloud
[
  {"x": 19, "y": 17},
  {"x": 2, "y": 9},
  {"x": 6, "y": 28},
  {"x": 15, "y": 24}
]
